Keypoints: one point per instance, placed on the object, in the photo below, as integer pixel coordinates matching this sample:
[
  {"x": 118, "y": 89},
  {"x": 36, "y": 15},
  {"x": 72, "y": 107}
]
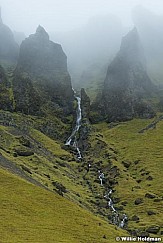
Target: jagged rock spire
[{"x": 40, "y": 31}]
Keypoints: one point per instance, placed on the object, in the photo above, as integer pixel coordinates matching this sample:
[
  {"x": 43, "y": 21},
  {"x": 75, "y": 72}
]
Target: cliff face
[
  {"x": 9, "y": 49},
  {"x": 42, "y": 70},
  {"x": 127, "y": 82},
  {"x": 5, "y": 92}
]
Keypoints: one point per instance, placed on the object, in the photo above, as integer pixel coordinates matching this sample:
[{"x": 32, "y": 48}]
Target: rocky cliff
[
  {"x": 6, "y": 102},
  {"x": 127, "y": 82},
  {"x": 41, "y": 78},
  {"x": 8, "y": 47}
]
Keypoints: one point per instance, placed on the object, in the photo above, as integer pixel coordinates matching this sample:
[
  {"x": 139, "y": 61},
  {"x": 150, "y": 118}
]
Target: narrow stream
[
  {"x": 72, "y": 140},
  {"x": 117, "y": 219}
]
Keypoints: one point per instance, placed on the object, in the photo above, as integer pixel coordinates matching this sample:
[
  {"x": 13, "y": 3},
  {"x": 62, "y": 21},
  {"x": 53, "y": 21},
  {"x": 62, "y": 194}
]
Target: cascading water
[
  {"x": 72, "y": 140},
  {"x": 117, "y": 219}
]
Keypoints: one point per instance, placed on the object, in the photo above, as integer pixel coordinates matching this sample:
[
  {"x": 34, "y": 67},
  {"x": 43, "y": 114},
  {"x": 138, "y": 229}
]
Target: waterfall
[
  {"x": 117, "y": 219},
  {"x": 72, "y": 140}
]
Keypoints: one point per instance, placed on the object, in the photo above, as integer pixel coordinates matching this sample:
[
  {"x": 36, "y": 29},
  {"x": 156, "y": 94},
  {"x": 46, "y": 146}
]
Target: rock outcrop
[
  {"x": 85, "y": 105},
  {"x": 5, "y": 92},
  {"x": 127, "y": 82},
  {"x": 9, "y": 49},
  {"x": 41, "y": 79}
]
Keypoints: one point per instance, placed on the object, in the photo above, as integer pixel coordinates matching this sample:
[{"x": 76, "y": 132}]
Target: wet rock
[
  {"x": 154, "y": 229},
  {"x": 149, "y": 195},
  {"x": 116, "y": 200},
  {"x": 138, "y": 201},
  {"x": 120, "y": 208},
  {"x": 126, "y": 164}
]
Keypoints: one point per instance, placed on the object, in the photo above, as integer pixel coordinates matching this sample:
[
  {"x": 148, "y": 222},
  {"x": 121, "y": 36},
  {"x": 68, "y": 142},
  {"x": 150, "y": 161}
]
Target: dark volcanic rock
[
  {"x": 135, "y": 218},
  {"x": 41, "y": 80},
  {"x": 5, "y": 96},
  {"x": 154, "y": 229},
  {"x": 126, "y": 164},
  {"x": 127, "y": 83},
  {"x": 9, "y": 49},
  {"x": 150, "y": 212},
  {"x": 85, "y": 105},
  {"x": 149, "y": 195},
  {"x": 138, "y": 201}
]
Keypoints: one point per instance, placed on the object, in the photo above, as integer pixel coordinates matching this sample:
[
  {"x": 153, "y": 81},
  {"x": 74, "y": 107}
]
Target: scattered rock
[
  {"x": 158, "y": 200},
  {"x": 24, "y": 141},
  {"x": 150, "y": 212},
  {"x": 124, "y": 203},
  {"x": 138, "y": 181},
  {"x": 154, "y": 229},
  {"x": 116, "y": 200},
  {"x": 136, "y": 162},
  {"x": 126, "y": 164},
  {"x": 144, "y": 234},
  {"x": 23, "y": 152},
  {"x": 148, "y": 195},
  {"x": 60, "y": 188},
  {"x": 149, "y": 178},
  {"x": 138, "y": 201},
  {"x": 26, "y": 169},
  {"x": 135, "y": 218}
]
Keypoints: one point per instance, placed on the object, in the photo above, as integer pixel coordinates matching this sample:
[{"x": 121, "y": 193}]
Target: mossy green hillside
[
  {"x": 33, "y": 214},
  {"x": 139, "y": 161}
]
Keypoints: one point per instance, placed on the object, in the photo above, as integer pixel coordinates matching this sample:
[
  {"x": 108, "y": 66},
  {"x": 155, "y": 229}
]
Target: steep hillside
[
  {"x": 33, "y": 214},
  {"x": 136, "y": 152}
]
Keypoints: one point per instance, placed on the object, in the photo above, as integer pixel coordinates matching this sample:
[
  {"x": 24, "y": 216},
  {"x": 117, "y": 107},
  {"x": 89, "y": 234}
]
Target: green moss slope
[{"x": 31, "y": 214}]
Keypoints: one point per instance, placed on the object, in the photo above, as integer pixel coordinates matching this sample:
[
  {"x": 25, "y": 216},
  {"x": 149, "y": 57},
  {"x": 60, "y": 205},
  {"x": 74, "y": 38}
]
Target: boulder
[
  {"x": 138, "y": 201},
  {"x": 149, "y": 195},
  {"x": 154, "y": 229}
]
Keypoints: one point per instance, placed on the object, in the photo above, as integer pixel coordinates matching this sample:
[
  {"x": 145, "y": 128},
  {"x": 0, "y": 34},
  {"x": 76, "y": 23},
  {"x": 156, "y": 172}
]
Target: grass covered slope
[
  {"x": 139, "y": 160},
  {"x": 32, "y": 214}
]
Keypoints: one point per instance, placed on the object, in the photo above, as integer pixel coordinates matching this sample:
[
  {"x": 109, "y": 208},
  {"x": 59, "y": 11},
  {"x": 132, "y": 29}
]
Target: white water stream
[
  {"x": 117, "y": 219},
  {"x": 72, "y": 140}
]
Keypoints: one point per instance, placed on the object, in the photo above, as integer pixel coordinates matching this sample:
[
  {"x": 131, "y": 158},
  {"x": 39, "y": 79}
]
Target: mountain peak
[{"x": 40, "y": 31}]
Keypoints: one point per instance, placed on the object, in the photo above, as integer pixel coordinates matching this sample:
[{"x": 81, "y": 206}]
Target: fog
[
  {"x": 65, "y": 15},
  {"x": 90, "y": 31}
]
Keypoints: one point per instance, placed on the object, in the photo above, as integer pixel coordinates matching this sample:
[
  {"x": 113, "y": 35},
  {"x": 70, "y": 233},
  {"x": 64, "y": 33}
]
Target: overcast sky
[{"x": 65, "y": 15}]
